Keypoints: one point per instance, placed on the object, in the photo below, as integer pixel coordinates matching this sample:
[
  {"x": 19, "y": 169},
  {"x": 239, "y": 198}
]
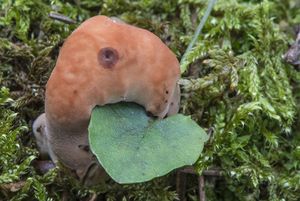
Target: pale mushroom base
[{"x": 90, "y": 174}]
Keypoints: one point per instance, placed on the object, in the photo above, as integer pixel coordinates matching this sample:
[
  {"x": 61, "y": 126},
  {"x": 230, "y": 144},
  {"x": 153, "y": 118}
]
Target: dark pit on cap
[{"x": 108, "y": 57}]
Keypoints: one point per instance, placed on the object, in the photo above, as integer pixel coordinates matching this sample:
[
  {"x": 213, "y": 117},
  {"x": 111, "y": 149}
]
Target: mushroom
[{"x": 103, "y": 61}]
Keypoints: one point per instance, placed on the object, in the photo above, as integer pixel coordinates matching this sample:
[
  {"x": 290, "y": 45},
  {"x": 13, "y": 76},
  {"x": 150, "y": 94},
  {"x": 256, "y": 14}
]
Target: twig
[
  {"x": 94, "y": 197},
  {"x": 65, "y": 196},
  {"x": 62, "y": 18},
  {"x": 201, "y": 181},
  {"x": 181, "y": 181},
  {"x": 190, "y": 170},
  {"x": 181, "y": 185}
]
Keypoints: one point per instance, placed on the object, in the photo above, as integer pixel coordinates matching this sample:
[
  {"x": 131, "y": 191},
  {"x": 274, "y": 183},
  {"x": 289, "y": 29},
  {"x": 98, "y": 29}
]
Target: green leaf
[{"x": 133, "y": 147}]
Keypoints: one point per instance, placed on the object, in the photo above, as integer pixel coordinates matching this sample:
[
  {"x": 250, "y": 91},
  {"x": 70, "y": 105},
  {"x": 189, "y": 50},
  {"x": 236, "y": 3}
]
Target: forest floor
[{"x": 237, "y": 85}]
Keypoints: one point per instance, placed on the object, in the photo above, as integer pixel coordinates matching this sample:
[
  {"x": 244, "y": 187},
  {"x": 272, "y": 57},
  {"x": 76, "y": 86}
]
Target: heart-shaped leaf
[{"x": 133, "y": 147}]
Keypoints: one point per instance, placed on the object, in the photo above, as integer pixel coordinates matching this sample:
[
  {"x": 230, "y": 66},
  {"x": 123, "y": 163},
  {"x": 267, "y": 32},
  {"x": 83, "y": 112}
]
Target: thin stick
[
  {"x": 202, "y": 196},
  {"x": 213, "y": 173},
  {"x": 62, "y": 18},
  {"x": 181, "y": 185}
]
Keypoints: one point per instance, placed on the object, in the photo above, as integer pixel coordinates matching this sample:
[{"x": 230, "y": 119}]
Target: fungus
[{"x": 104, "y": 61}]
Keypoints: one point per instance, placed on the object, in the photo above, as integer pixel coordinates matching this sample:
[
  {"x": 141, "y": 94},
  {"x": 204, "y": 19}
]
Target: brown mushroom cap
[{"x": 104, "y": 61}]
